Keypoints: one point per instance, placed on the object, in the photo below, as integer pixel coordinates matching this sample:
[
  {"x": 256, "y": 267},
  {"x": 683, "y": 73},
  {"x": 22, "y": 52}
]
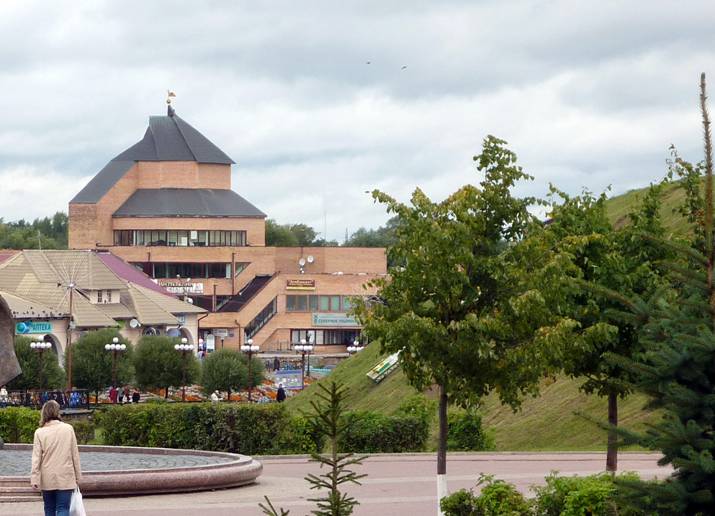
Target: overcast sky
[{"x": 588, "y": 94}]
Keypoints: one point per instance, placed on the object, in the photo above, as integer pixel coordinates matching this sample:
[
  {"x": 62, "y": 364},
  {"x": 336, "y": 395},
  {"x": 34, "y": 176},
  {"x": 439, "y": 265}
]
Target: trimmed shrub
[
  {"x": 465, "y": 432},
  {"x": 301, "y": 437},
  {"x": 594, "y": 495},
  {"x": 83, "y": 430},
  {"x": 496, "y": 498},
  {"x": 371, "y": 432},
  {"x": 248, "y": 429},
  {"x": 18, "y": 424},
  {"x": 459, "y": 503}
]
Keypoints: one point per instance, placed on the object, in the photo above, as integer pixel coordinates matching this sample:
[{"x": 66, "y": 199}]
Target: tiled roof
[
  {"x": 168, "y": 138},
  {"x": 35, "y": 283},
  {"x": 130, "y": 273},
  {"x": 187, "y": 202}
]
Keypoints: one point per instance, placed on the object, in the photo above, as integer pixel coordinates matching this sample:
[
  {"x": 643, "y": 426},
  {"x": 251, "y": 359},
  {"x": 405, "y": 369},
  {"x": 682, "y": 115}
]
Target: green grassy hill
[
  {"x": 547, "y": 422},
  {"x": 620, "y": 206}
]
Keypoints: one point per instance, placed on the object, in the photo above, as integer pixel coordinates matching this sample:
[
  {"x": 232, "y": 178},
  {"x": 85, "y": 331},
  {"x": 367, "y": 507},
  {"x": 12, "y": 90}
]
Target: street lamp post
[
  {"x": 304, "y": 349},
  {"x": 41, "y": 346},
  {"x": 183, "y": 348},
  {"x": 115, "y": 347},
  {"x": 249, "y": 348},
  {"x": 355, "y": 347}
]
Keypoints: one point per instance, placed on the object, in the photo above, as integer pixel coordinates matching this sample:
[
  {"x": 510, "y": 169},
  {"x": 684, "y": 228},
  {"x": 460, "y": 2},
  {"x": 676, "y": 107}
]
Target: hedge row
[
  {"x": 252, "y": 429},
  {"x": 18, "y": 425}
]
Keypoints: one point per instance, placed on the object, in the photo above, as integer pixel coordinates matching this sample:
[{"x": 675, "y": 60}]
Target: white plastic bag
[{"x": 76, "y": 505}]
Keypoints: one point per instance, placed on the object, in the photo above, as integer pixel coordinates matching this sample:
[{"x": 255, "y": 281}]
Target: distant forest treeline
[
  {"x": 51, "y": 233},
  {"x": 47, "y": 233}
]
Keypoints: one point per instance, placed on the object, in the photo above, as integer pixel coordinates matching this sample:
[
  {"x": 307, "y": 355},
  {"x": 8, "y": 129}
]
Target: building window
[
  {"x": 312, "y": 303},
  {"x": 160, "y": 270},
  {"x": 99, "y": 296},
  {"x": 179, "y": 238},
  {"x": 109, "y": 296}
]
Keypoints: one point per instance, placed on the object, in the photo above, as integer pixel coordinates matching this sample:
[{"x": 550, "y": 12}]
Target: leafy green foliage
[
  {"x": 18, "y": 424},
  {"x": 92, "y": 364},
  {"x": 239, "y": 428},
  {"x": 496, "y": 498},
  {"x": 83, "y": 429},
  {"x": 384, "y": 236},
  {"x": 293, "y": 235},
  {"x": 159, "y": 365},
  {"x": 462, "y": 311},
  {"x": 592, "y": 495},
  {"x": 676, "y": 370},
  {"x": 371, "y": 432},
  {"x": 48, "y": 232},
  {"x": 227, "y": 370},
  {"x": 466, "y": 432},
  {"x": 36, "y": 373}
]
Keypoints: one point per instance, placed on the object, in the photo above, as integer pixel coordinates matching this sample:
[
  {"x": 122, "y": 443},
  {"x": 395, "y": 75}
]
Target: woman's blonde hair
[{"x": 50, "y": 411}]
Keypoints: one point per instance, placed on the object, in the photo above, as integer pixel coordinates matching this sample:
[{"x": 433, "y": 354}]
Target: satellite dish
[
  {"x": 134, "y": 323},
  {"x": 301, "y": 262},
  {"x": 310, "y": 258}
]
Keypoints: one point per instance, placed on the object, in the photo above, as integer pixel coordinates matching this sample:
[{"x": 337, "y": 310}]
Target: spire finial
[{"x": 169, "y": 95}]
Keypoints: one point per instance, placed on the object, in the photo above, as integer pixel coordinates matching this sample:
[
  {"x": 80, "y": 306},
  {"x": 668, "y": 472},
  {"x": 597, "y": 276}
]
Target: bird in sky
[{"x": 404, "y": 67}]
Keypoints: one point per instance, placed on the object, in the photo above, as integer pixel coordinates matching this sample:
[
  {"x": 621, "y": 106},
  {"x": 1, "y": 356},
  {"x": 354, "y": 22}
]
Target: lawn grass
[{"x": 547, "y": 422}]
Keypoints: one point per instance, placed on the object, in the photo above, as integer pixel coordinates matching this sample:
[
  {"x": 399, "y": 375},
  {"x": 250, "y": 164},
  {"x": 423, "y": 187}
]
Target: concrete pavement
[{"x": 396, "y": 484}]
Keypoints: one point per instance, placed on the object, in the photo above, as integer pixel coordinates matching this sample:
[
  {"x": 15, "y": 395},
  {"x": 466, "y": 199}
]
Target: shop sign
[
  {"x": 220, "y": 332},
  {"x": 24, "y": 328},
  {"x": 322, "y": 319},
  {"x": 182, "y": 287},
  {"x": 300, "y": 284}
]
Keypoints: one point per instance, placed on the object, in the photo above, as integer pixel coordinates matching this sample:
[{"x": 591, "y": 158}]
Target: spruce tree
[{"x": 677, "y": 371}]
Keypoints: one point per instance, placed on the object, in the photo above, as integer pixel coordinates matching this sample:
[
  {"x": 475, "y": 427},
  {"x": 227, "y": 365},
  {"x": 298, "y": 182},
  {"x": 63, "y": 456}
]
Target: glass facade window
[
  {"x": 162, "y": 270},
  {"x": 179, "y": 238},
  {"x": 313, "y": 303},
  {"x": 324, "y": 337}
]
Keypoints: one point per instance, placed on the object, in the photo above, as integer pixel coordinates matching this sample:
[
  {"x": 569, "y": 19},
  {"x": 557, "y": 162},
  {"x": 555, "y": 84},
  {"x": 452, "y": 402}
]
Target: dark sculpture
[{"x": 9, "y": 366}]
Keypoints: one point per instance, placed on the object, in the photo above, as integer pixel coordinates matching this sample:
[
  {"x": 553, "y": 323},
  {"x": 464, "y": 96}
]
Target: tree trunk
[
  {"x": 612, "y": 454},
  {"x": 166, "y": 392},
  {"x": 442, "y": 448}
]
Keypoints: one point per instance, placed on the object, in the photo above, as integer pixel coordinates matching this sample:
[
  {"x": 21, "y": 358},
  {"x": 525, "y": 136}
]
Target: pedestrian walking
[
  {"x": 113, "y": 394},
  {"x": 3, "y": 397},
  {"x": 56, "y": 468},
  {"x": 135, "y": 397},
  {"x": 215, "y": 397},
  {"x": 276, "y": 364},
  {"x": 280, "y": 394},
  {"x": 127, "y": 394}
]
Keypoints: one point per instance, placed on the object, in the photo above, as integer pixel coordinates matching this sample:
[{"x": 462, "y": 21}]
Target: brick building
[{"x": 166, "y": 206}]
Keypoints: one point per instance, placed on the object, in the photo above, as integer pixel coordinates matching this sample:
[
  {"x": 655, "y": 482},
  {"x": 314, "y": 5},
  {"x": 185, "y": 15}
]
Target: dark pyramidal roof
[
  {"x": 185, "y": 202},
  {"x": 168, "y": 138}
]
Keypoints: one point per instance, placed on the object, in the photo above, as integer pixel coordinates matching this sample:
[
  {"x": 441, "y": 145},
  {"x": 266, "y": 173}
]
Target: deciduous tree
[{"x": 463, "y": 308}]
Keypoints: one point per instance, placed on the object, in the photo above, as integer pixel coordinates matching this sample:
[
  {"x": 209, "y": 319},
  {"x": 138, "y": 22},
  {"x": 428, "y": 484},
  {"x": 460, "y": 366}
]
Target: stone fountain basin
[{"x": 127, "y": 470}]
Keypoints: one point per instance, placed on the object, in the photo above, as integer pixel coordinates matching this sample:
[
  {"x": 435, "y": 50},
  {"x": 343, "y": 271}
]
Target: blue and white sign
[{"x": 28, "y": 327}]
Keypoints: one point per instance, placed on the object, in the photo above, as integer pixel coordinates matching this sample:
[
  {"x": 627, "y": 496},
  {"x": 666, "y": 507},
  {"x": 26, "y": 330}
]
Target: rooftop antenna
[
  {"x": 325, "y": 222},
  {"x": 170, "y": 95}
]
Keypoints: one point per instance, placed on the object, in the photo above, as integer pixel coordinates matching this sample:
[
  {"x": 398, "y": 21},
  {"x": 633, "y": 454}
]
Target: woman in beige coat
[{"x": 55, "y": 461}]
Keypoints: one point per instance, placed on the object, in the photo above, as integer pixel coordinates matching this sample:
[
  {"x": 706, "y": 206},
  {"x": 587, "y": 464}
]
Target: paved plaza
[{"x": 396, "y": 485}]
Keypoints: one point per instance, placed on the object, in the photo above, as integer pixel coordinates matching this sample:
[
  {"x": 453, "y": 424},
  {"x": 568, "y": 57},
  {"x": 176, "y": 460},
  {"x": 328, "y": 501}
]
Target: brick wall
[{"x": 183, "y": 174}]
